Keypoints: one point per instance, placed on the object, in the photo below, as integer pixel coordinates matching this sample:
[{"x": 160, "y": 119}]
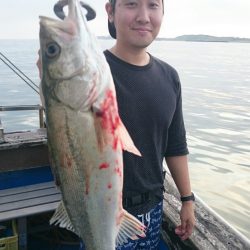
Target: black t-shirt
[{"x": 150, "y": 106}]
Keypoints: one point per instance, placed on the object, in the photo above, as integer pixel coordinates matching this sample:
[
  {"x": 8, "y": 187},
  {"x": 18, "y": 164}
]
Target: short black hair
[
  {"x": 111, "y": 26},
  {"x": 114, "y": 1}
]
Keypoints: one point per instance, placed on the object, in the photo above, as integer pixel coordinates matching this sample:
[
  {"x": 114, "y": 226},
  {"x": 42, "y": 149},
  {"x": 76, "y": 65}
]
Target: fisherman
[{"x": 150, "y": 105}]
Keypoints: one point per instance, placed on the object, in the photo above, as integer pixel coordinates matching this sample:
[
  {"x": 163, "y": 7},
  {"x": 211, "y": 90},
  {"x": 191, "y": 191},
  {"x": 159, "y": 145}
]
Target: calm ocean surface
[{"x": 216, "y": 101}]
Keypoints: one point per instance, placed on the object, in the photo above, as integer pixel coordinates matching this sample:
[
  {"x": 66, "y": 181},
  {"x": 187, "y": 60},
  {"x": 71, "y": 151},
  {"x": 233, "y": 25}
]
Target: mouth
[{"x": 142, "y": 32}]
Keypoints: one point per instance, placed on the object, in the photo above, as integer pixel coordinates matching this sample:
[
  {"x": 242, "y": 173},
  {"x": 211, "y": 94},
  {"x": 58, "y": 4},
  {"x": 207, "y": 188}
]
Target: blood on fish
[
  {"x": 118, "y": 171},
  {"x": 109, "y": 186},
  {"x": 67, "y": 161},
  {"x": 110, "y": 118},
  {"x": 115, "y": 142},
  {"x": 104, "y": 165}
]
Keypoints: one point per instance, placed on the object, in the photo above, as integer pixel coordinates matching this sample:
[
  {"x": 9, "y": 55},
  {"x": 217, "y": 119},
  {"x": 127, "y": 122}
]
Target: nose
[{"x": 143, "y": 15}]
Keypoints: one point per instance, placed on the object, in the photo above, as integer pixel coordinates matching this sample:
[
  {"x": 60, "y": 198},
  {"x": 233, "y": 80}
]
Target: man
[{"x": 150, "y": 105}]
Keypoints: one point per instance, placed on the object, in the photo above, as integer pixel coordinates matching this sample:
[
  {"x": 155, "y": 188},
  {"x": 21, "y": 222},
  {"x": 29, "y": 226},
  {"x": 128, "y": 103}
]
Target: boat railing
[{"x": 22, "y": 108}]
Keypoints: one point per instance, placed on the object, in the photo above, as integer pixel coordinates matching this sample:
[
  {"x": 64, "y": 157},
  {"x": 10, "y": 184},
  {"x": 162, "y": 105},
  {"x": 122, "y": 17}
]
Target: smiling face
[{"x": 137, "y": 22}]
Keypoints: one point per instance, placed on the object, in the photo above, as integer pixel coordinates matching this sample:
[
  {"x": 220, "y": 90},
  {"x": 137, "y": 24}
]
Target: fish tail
[{"x": 130, "y": 228}]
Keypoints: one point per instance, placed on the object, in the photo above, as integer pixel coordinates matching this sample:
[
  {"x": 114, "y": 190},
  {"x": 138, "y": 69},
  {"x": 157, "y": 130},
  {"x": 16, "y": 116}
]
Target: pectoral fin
[
  {"x": 127, "y": 143},
  {"x": 111, "y": 130}
]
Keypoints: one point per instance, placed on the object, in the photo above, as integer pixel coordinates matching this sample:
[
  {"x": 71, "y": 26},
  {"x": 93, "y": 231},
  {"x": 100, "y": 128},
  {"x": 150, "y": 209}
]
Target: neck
[{"x": 138, "y": 57}]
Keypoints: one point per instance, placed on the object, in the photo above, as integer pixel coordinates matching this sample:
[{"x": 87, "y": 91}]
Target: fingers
[
  {"x": 183, "y": 226},
  {"x": 187, "y": 217},
  {"x": 184, "y": 230},
  {"x": 182, "y": 233}
]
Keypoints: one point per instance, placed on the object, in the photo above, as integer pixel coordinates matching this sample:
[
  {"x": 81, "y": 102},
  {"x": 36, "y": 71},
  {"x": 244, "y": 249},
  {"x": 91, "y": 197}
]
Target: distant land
[
  {"x": 206, "y": 38},
  {"x": 201, "y": 38}
]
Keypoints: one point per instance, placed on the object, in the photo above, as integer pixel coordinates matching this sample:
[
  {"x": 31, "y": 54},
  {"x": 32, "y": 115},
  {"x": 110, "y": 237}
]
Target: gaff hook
[{"x": 58, "y": 9}]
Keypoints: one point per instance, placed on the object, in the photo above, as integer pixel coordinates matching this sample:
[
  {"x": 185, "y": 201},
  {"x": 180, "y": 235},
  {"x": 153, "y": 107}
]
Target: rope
[{"x": 16, "y": 70}]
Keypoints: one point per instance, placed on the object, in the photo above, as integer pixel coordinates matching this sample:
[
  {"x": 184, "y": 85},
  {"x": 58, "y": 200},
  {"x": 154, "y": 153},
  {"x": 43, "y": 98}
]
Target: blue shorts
[{"x": 152, "y": 220}]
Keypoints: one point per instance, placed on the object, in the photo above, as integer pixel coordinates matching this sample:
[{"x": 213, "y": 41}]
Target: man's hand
[{"x": 187, "y": 220}]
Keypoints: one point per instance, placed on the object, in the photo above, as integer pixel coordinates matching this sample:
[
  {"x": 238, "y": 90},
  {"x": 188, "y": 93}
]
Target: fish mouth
[
  {"x": 66, "y": 24},
  {"x": 58, "y": 26},
  {"x": 69, "y": 23},
  {"x": 46, "y": 21}
]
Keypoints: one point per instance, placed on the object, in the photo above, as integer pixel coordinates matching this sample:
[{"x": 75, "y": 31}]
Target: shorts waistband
[{"x": 136, "y": 200}]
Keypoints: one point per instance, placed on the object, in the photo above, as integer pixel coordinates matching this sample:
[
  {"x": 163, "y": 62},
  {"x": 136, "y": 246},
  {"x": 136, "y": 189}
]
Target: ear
[{"x": 109, "y": 11}]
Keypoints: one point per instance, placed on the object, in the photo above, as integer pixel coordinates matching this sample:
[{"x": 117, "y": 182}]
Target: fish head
[
  {"x": 66, "y": 60},
  {"x": 63, "y": 43}
]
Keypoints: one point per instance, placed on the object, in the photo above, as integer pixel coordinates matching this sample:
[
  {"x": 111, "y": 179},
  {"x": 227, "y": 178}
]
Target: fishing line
[{"x": 16, "y": 70}]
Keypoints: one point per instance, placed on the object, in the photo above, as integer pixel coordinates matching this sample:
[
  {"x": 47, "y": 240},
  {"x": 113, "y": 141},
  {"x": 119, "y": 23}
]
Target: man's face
[{"x": 137, "y": 22}]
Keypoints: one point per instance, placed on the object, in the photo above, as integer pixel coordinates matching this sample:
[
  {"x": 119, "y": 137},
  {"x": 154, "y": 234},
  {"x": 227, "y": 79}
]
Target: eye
[
  {"x": 154, "y": 5},
  {"x": 52, "y": 50},
  {"x": 131, "y": 4}
]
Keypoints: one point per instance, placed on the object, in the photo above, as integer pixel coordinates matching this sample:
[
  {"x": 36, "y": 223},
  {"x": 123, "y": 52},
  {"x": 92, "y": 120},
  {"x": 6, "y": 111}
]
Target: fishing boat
[{"x": 28, "y": 197}]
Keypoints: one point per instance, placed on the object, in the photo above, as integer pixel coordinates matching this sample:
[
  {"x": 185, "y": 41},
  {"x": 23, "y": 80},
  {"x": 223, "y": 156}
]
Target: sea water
[{"x": 215, "y": 81}]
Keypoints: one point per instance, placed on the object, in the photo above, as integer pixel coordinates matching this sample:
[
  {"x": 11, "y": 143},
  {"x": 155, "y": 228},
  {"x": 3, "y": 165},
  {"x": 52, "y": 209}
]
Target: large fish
[{"x": 85, "y": 133}]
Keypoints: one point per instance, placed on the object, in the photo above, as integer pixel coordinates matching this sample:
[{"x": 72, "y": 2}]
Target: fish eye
[{"x": 52, "y": 50}]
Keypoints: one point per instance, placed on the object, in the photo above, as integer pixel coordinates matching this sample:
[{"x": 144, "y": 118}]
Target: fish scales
[{"x": 85, "y": 133}]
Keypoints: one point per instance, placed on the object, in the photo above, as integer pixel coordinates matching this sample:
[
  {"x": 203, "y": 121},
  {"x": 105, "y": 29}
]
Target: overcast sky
[{"x": 19, "y": 18}]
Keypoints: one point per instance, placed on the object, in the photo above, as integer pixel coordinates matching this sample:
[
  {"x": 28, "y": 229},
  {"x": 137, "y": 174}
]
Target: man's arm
[{"x": 178, "y": 167}]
